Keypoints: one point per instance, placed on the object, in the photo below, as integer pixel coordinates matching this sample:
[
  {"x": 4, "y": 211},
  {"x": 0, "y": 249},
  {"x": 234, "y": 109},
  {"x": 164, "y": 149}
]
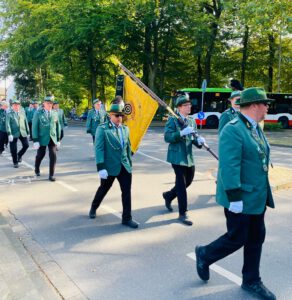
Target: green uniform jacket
[
  {"x": 17, "y": 125},
  {"x": 109, "y": 153},
  {"x": 241, "y": 174},
  {"x": 29, "y": 114},
  {"x": 45, "y": 128},
  {"x": 2, "y": 120},
  {"x": 228, "y": 115},
  {"x": 62, "y": 118},
  {"x": 180, "y": 150},
  {"x": 94, "y": 119}
]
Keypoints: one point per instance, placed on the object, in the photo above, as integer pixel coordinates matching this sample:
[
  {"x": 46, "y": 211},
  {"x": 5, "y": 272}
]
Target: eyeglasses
[
  {"x": 118, "y": 115},
  {"x": 265, "y": 103}
]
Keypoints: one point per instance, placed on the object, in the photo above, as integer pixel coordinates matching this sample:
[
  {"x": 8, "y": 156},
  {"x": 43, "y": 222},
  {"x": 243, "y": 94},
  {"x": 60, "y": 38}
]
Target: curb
[{"x": 63, "y": 285}]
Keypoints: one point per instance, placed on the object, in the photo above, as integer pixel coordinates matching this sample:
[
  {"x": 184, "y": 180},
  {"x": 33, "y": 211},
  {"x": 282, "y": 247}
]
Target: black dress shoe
[
  {"x": 258, "y": 289},
  {"x": 52, "y": 178},
  {"x": 185, "y": 220},
  {"x": 92, "y": 213},
  {"x": 167, "y": 202},
  {"x": 130, "y": 223},
  {"x": 19, "y": 159},
  {"x": 37, "y": 173},
  {"x": 202, "y": 266},
  {"x": 16, "y": 165}
]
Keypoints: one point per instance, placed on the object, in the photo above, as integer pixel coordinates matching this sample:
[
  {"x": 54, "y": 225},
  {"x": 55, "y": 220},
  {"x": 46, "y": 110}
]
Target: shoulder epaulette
[{"x": 234, "y": 121}]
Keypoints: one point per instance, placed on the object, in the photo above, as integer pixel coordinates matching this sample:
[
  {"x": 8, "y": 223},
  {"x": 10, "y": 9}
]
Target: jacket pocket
[{"x": 247, "y": 187}]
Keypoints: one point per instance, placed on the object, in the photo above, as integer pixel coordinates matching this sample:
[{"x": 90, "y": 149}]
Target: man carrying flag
[{"x": 114, "y": 160}]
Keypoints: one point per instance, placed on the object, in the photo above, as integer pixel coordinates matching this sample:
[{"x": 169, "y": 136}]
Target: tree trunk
[
  {"x": 271, "y": 62},
  {"x": 93, "y": 71},
  {"x": 215, "y": 11},
  {"x": 153, "y": 67},
  {"x": 200, "y": 70},
  {"x": 147, "y": 55},
  {"x": 244, "y": 54}
]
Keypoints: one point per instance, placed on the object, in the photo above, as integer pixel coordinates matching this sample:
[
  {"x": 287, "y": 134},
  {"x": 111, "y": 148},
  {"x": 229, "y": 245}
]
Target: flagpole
[{"x": 161, "y": 102}]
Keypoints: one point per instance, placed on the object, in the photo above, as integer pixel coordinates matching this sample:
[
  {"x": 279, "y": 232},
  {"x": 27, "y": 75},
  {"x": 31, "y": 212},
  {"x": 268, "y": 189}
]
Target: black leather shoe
[
  {"x": 16, "y": 165},
  {"x": 19, "y": 159},
  {"x": 185, "y": 220},
  {"x": 37, "y": 173},
  {"x": 202, "y": 266},
  {"x": 258, "y": 289},
  {"x": 130, "y": 223},
  {"x": 92, "y": 213},
  {"x": 52, "y": 178},
  {"x": 167, "y": 202}
]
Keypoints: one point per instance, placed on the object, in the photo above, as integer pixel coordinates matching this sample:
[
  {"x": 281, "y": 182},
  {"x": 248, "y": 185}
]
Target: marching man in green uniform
[
  {"x": 62, "y": 118},
  {"x": 3, "y": 132},
  {"x": 95, "y": 117},
  {"x": 180, "y": 155},
  {"x": 114, "y": 160},
  {"x": 46, "y": 132},
  {"x": 244, "y": 191},
  {"x": 33, "y": 107},
  {"x": 231, "y": 112},
  {"x": 17, "y": 128}
]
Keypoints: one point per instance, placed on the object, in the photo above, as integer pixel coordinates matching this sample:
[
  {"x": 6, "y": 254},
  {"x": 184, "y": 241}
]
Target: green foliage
[
  {"x": 66, "y": 47},
  {"x": 273, "y": 126}
]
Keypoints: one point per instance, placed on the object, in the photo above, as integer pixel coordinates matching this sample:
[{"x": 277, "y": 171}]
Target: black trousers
[
  {"x": 3, "y": 140},
  {"x": 183, "y": 178},
  {"x": 13, "y": 148},
  {"x": 93, "y": 138},
  {"x": 52, "y": 155},
  {"x": 125, "y": 181},
  {"x": 243, "y": 230},
  {"x": 30, "y": 130}
]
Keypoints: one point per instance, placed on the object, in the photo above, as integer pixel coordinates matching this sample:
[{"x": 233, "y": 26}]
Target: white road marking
[
  {"x": 160, "y": 160},
  {"x": 67, "y": 186},
  {"x": 221, "y": 271},
  {"x": 73, "y": 189}
]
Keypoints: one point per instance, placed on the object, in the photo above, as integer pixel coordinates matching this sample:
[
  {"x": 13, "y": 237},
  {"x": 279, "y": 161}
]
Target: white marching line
[
  {"x": 221, "y": 271},
  {"x": 160, "y": 160},
  {"x": 67, "y": 186}
]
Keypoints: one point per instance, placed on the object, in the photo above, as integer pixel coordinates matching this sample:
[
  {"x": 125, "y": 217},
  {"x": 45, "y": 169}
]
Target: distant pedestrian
[
  {"x": 95, "y": 117},
  {"x": 62, "y": 118},
  {"x": 3, "y": 133},
  {"x": 46, "y": 132},
  {"x": 33, "y": 107},
  {"x": 244, "y": 191},
  {"x": 231, "y": 112},
  {"x": 17, "y": 128}
]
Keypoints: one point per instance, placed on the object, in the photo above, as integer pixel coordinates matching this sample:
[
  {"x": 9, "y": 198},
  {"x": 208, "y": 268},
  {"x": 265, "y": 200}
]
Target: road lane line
[
  {"x": 221, "y": 271},
  {"x": 73, "y": 189},
  {"x": 67, "y": 186},
  {"x": 160, "y": 160}
]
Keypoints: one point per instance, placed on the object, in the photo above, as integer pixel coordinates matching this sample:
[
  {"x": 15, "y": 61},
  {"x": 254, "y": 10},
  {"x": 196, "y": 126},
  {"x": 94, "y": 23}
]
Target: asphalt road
[{"x": 108, "y": 261}]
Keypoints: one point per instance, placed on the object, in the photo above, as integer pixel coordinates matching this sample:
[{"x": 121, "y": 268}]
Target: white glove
[
  {"x": 58, "y": 145},
  {"x": 10, "y": 138},
  {"x": 187, "y": 130},
  {"x": 103, "y": 174},
  {"x": 236, "y": 207},
  {"x": 36, "y": 145},
  {"x": 201, "y": 140}
]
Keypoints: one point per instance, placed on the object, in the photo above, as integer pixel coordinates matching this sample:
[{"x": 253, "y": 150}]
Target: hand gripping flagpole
[{"x": 161, "y": 102}]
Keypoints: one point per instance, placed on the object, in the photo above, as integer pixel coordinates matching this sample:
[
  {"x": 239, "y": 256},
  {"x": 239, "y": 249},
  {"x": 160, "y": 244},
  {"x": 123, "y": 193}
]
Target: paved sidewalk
[
  {"x": 27, "y": 272},
  {"x": 20, "y": 277}
]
